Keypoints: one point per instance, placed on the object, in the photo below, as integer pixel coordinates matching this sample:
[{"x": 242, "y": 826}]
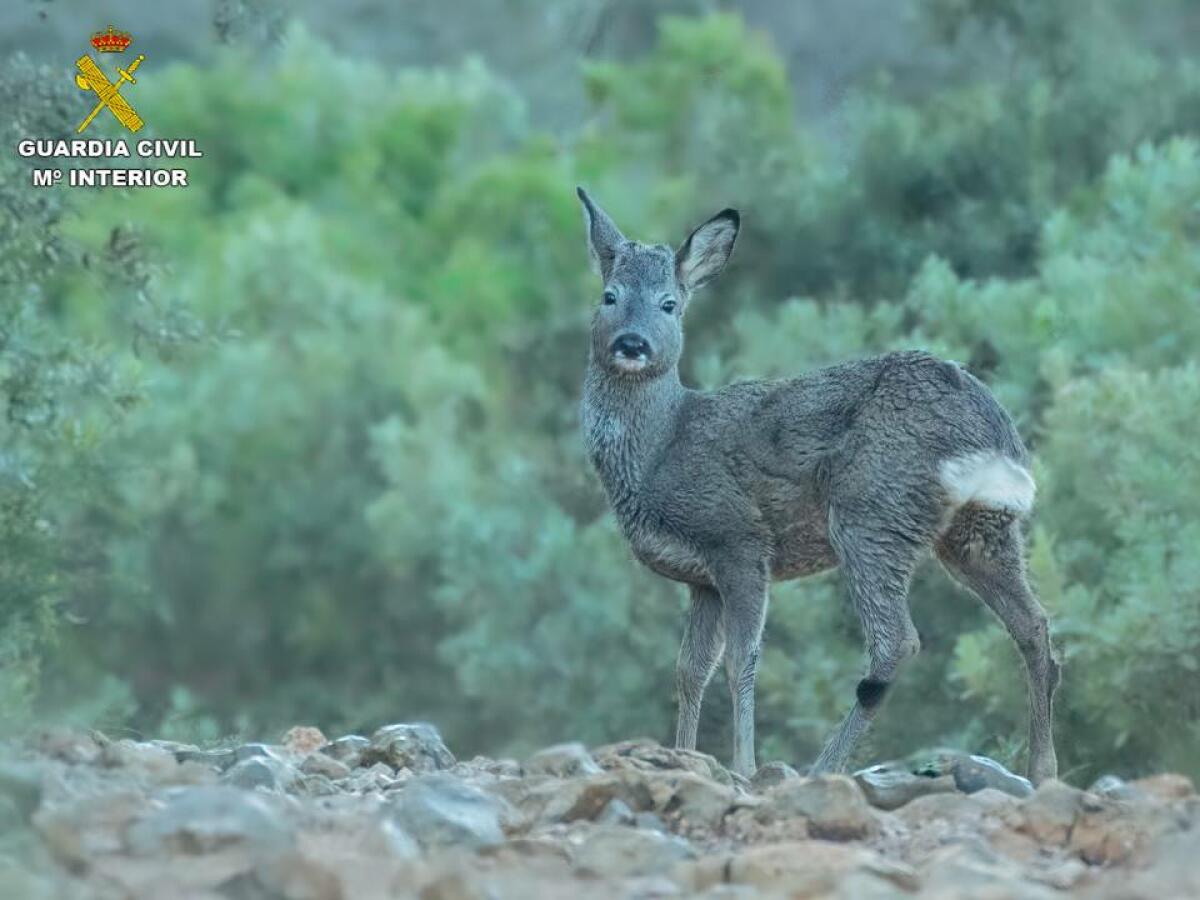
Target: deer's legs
[
  {"x": 703, "y": 644},
  {"x": 877, "y": 568},
  {"x": 743, "y": 588},
  {"x": 982, "y": 550}
]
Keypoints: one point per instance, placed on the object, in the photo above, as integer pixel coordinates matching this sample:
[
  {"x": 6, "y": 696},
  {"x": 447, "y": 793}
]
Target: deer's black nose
[{"x": 630, "y": 346}]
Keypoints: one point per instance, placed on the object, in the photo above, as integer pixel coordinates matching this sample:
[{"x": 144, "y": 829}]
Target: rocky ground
[{"x": 396, "y": 815}]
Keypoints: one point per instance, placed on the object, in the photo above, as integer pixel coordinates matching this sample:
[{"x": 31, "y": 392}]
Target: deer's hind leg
[
  {"x": 702, "y": 647},
  {"x": 877, "y": 564},
  {"x": 982, "y": 549}
]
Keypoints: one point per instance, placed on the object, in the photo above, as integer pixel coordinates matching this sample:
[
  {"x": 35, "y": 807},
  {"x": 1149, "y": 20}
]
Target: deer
[{"x": 866, "y": 466}]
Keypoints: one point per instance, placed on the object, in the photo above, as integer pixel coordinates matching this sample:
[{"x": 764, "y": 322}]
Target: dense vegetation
[{"x": 300, "y": 443}]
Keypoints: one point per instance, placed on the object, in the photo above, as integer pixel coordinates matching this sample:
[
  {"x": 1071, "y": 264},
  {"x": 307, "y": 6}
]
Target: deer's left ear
[{"x": 703, "y": 255}]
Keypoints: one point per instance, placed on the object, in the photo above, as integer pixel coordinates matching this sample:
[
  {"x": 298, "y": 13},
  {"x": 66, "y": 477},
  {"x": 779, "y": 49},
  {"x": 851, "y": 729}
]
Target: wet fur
[{"x": 866, "y": 466}]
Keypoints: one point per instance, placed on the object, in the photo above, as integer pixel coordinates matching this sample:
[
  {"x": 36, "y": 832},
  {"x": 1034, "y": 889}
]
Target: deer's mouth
[{"x": 630, "y": 364}]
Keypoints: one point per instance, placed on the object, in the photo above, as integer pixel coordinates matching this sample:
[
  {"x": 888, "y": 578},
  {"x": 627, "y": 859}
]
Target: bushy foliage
[{"x": 351, "y": 488}]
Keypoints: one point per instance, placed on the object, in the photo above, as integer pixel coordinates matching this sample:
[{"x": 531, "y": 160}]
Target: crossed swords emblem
[{"x": 108, "y": 92}]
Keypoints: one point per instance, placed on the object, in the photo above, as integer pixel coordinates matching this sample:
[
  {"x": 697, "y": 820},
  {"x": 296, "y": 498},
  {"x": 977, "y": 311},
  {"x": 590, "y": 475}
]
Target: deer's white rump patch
[{"x": 990, "y": 479}]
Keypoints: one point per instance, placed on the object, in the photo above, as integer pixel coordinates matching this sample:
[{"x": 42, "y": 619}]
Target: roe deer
[{"x": 864, "y": 466}]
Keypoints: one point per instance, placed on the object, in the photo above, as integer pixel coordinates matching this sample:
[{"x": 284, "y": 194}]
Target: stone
[
  {"x": 615, "y": 851},
  {"x": 483, "y": 765},
  {"x": 646, "y": 755},
  {"x": 955, "y": 808},
  {"x": 971, "y": 773},
  {"x": 563, "y": 761},
  {"x": 416, "y": 746},
  {"x": 616, "y": 812},
  {"x": 143, "y": 758},
  {"x": 1170, "y": 871},
  {"x": 80, "y": 829},
  {"x": 1050, "y": 814},
  {"x": 253, "y": 751},
  {"x": 304, "y": 739},
  {"x": 974, "y": 773},
  {"x": 215, "y": 759},
  {"x": 972, "y": 870},
  {"x": 889, "y": 786},
  {"x": 771, "y": 774},
  {"x": 833, "y": 806},
  {"x": 649, "y": 821},
  {"x": 440, "y": 811},
  {"x": 71, "y": 746},
  {"x": 806, "y": 869},
  {"x": 1166, "y": 786},
  {"x": 265, "y": 772},
  {"x": 314, "y": 786},
  {"x": 347, "y": 749},
  {"x": 21, "y": 786},
  {"x": 378, "y": 777},
  {"x": 383, "y": 836},
  {"x": 586, "y": 798},
  {"x": 1114, "y": 787},
  {"x": 320, "y": 764},
  {"x": 699, "y": 801},
  {"x": 203, "y": 819}
]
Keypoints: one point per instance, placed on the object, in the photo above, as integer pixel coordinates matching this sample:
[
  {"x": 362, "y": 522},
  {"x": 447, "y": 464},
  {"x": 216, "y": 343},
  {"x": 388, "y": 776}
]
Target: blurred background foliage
[{"x": 299, "y": 443}]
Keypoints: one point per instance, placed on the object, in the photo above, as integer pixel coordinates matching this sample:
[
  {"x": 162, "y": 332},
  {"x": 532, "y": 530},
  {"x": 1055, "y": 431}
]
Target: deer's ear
[
  {"x": 703, "y": 255},
  {"x": 604, "y": 238}
]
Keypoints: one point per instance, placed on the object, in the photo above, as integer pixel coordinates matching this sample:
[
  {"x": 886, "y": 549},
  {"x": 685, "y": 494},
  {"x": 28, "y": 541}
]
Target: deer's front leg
[
  {"x": 703, "y": 643},
  {"x": 742, "y": 583}
]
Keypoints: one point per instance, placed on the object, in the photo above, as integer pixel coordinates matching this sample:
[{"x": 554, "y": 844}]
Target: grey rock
[
  {"x": 648, "y": 821},
  {"x": 320, "y": 764},
  {"x": 146, "y": 758},
  {"x": 833, "y": 805},
  {"x": 613, "y": 851},
  {"x": 569, "y": 800},
  {"x": 563, "y": 760},
  {"x": 440, "y": 811},
  {"x": 384, "y": 836},
  {"x": 416, "y": 746},
  {"x": 503, "y": 768},
  {"x": 203, "y": 819},
  {"x": 347, "y": 749},
  {"x": 971, "y": 773},
  {"x": 378, "y": 777},
  {"x": 616, "y": 812},
  {"x": 314, "y": 786},
  {"x": 891, "y": 785},
  {"x": 974, "y": 773},
  {"x": 264, "y": 772},
  {"x": 20, "y": 790},
  {"x": 1115, "y": 788},
  {"x": 253, "y": 751},
  {"x": 645, "y": 755},
  {"x": 699, "y": 801},
  {"x": 973, "y": 870},
  {"x": 216, "y": 759},
  {"x": 771, "y": 774}
]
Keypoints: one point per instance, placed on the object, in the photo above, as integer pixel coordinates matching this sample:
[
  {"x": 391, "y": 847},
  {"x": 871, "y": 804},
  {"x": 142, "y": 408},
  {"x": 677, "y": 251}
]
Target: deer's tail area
[{"x": 990, "y": 479}]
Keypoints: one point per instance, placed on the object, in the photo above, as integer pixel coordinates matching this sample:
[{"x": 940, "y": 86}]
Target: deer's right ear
[{"x": 604, "y": 238}]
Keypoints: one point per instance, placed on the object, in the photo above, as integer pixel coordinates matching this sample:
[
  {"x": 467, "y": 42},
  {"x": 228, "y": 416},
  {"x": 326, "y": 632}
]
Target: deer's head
[{"x": 637, "y": 328}]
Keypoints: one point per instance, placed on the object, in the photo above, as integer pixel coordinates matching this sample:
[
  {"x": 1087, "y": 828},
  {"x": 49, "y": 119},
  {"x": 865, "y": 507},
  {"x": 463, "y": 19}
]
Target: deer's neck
[{"x": 626, "y": 424}]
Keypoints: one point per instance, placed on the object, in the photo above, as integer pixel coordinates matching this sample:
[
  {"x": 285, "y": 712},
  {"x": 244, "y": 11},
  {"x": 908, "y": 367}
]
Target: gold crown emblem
[{"x": 111, "y": 41}]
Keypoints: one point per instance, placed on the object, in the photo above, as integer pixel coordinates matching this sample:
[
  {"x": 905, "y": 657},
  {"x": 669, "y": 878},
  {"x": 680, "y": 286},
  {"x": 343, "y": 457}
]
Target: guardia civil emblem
[{"x": 108, "y": 93}]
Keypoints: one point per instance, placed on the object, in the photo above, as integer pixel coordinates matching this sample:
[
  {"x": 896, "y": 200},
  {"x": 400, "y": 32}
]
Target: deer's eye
[
  {"x": 668, "y": 306},
  {"x": 609, "y": 298}
]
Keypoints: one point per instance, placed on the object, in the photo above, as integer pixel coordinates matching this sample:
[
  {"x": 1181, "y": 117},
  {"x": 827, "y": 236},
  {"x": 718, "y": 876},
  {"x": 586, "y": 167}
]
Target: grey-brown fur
[{"x": 866, "y": 465}]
